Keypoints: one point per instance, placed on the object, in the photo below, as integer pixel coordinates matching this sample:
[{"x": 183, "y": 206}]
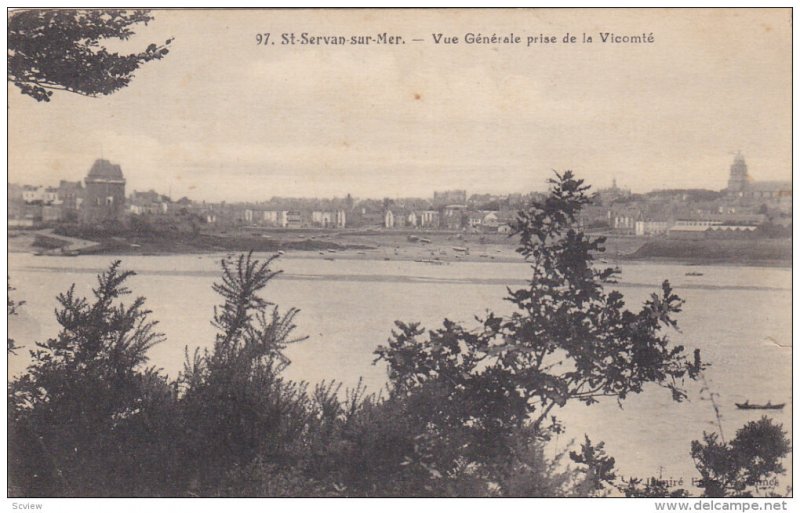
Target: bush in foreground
[{"x": 467, "y": 413}]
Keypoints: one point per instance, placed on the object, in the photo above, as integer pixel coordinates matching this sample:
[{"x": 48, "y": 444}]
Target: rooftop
[
  {"x": 769, "y": 186},
  {"x": 105, "y": 170}
]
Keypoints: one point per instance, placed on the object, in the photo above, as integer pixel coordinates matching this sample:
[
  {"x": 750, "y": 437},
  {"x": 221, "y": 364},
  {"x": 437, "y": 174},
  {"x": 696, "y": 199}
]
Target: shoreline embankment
[{"x": 433, "y": 247}]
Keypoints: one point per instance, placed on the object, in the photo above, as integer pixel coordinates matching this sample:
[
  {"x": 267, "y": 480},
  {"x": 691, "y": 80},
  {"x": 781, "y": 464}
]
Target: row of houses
[
  {"x": 635, "y": 222},
  {"x": 32, "y": 205},
  {"x": 291, "y": 218},
  {"x": 451, "y": 217},
  {"x": 67, "y": 193},
  {"x": 101, "y": 198},
  {"x": 29, "y": 204},
  {"x": 742, "y": 206}
]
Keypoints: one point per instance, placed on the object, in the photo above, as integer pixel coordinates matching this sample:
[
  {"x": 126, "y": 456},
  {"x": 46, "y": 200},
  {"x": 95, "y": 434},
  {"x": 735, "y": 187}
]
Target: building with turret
[
  {"x": 738, "y": 180},
  {"x": 611, "y": 194},
  {"x": 769, "y": 194},
  {"x": 104, "y": 196}
]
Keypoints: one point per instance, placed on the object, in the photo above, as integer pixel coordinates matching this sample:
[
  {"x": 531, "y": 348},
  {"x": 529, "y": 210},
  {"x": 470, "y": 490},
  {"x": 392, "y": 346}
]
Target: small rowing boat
[{"x": 769, "y": 406}]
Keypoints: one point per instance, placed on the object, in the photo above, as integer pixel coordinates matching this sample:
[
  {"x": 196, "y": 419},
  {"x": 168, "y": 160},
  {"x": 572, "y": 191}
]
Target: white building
[
  {"x": 429, "y": 219},
  {"x": 650, "y": 228},
  {"x": 31, "y": 193},
  {"x": 329, "y": 218}
]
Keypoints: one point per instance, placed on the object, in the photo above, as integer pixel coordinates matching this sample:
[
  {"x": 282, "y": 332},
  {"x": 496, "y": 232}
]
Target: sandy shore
[
  {"x": 343, "y": 246},
  {"x": 433, "y": 248}
]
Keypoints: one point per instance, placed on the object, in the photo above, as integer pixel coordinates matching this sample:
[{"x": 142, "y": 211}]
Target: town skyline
[
  {"x": 612, "y": 182},
  {"x": 224, "y": 119},
  {"x": 745, "y": 201}
]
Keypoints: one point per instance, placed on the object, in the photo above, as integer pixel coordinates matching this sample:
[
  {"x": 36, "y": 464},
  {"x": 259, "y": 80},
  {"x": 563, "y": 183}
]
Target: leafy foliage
[
  {"x": 234, "y": 402},
  {"x": 737, "y": 468},
  {"x": 12, "y": 306},
  {"x": 61, "y": 49},
  {"x": 87, "y": 408},
  {"x": 652, "y": 488},
  {"x": 568, "y": 339},
  {"x": 467, "y": 412},
  {"x": 745, "y": 467},
  {"x": 598, "y": 467}
]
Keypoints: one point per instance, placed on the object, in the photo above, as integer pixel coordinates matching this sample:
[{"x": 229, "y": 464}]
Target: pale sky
[{"x": 221, "y": 118}]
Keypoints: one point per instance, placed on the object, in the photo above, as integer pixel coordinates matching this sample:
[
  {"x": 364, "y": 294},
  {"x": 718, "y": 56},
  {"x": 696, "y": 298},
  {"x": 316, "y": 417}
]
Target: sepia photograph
[{"x": 391, "y": 253}]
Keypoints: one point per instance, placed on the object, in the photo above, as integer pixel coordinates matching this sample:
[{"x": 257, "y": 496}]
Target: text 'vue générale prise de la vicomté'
[{"x": 450, "y": 39}]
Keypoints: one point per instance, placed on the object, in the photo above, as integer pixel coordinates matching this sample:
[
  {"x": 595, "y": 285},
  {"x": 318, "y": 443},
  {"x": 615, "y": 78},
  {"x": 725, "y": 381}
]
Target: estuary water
[{"x": 739, "y": 317}]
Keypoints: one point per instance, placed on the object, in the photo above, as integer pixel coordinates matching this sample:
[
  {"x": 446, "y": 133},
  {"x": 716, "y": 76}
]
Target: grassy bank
[
  {"x": 715, "y": 251},
  {"x": 204, "y": 243}
]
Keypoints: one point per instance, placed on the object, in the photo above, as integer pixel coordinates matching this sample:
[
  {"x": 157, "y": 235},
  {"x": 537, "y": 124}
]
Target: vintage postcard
[{"x": 400, "y": 253}]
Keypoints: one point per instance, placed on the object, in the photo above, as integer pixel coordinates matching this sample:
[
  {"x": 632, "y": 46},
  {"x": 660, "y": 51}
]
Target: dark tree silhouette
[
  {"x": 568, "y": 340},
  {"x": 488, "y": 393},
  {"x": 61, "y": 49},
  {"x": 738, "y": 468},
  {"x": 12, "y": 306},
  {"x": 88, "y": 414}
]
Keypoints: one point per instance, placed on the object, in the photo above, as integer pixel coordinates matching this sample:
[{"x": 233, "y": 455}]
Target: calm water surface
[{"x": 740, "y": 318}]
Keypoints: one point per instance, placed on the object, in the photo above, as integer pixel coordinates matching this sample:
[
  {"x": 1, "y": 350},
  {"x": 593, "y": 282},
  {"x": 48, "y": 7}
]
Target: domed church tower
[
  {"x": 738, "y": 179},
  {"x": 105, "y": 193}
]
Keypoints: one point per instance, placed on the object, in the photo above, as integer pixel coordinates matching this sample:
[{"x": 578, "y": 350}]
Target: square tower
[{"x": 105, "y": 193}]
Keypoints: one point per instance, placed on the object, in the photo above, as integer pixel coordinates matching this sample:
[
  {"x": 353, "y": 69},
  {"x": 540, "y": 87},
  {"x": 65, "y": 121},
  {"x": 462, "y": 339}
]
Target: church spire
[{"x": 738, "y": 179}]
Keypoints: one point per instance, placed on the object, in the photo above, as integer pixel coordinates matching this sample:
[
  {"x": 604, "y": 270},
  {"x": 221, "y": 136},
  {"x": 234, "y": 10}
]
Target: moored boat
[{"x": 769, "y": 406}]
